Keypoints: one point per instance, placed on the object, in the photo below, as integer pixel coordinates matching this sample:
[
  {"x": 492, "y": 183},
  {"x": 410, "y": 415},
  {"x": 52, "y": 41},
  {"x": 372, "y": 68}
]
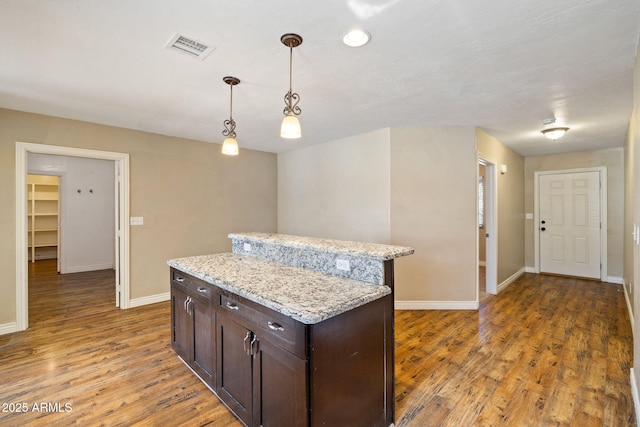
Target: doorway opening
[
  {"x": 121, "y": 213},
  {"x": 488, "y": 225}
]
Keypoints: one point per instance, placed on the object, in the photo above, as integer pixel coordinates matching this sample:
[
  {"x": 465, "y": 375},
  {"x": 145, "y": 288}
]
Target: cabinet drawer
[
  {"x": 268, "y": 324},
  {"x": 196, "y": 286}
]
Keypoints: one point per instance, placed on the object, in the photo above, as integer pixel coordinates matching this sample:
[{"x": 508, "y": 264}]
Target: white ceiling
[{"x": 502, "y": 65}]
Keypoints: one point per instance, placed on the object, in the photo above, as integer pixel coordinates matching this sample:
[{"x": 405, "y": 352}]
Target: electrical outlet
[
  {"x": 136, "y": 220},
  {"x": 343, "y": 264},
  {"x": 247, "y": 247}
]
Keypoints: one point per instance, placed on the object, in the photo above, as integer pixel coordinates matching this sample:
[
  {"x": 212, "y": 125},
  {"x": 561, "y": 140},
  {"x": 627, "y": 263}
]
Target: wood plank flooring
[{"x": 547, "y": 351}]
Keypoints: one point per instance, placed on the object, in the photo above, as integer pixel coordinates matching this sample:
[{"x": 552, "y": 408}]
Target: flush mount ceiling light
[
  {"x": 356, "y": 38},
  {"x": 230, "y": 145},
  {"x": 554, "y": 133},
  {"x": 290, "y": 128}
]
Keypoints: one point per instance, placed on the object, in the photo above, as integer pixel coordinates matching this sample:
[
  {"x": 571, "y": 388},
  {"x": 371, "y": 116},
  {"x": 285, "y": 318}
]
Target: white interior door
[
  {"x": 118, "y": 228},
  {"x": 569, "y": 224}
]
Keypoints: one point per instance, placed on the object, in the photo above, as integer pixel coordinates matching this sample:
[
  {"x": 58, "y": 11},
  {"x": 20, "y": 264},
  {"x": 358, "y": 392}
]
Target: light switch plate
[
  {"x": 528, "y": 215},
  {"x": 343, "y": 264},
  {"x": 247, "y": 247}
]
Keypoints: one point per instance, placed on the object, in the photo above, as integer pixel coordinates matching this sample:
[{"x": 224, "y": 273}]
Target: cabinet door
[
  {"x": 234, "y": 367},
  {"x": 203, "y": 342},
  {"x": 281, "y": 387},
  {"x": 181, "y": 325}
]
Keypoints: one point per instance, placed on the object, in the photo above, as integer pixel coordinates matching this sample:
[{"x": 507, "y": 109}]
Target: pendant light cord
[{"x": 290, "y": 70}]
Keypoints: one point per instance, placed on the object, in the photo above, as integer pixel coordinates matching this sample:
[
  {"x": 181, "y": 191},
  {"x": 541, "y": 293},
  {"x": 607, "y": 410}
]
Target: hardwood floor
[{"x": 547, "y": 351}]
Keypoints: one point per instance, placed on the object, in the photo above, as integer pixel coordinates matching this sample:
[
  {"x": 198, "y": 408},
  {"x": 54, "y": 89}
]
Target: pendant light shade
[
  {"x": 230, "y": 145},
  {"x": 290, "y": 128}
]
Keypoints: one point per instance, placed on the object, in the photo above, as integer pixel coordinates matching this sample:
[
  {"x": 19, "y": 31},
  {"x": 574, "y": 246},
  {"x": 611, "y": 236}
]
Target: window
[{"x": 480, "y": 202}]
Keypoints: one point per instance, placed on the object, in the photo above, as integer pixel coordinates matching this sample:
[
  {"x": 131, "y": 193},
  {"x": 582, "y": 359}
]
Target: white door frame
[
  {"x": 122, "y": 248},
  {"x": 490, "y": 223},
  {"x": 603, "y": 215}
]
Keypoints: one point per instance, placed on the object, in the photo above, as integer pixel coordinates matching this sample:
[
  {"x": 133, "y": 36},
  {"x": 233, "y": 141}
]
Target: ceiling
[{"x": 501, "y": 65}]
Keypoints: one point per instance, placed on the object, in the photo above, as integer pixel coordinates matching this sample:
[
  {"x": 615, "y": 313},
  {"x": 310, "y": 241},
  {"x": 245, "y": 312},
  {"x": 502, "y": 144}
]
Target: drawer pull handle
[
  {"x": 179, "y": 279},
  {"x": 202, "y": 289},
  {"x": 275, "y": 326},
  {"x": 232, "y": 306}
]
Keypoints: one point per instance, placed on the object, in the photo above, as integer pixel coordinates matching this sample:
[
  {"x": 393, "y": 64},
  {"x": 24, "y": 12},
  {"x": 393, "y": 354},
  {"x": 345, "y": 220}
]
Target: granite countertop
[
  {"x": 304, "y": 295},
  {"x": 367, "y": 250}
]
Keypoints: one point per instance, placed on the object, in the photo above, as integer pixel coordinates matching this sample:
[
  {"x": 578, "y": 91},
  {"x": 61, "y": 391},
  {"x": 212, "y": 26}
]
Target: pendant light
[
  {"x": 290, "y": 128},
  {"x": 230, "y": 145}
]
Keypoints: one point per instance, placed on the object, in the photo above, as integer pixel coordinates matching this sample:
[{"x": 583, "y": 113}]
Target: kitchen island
[{"x": 289, "y": 330}]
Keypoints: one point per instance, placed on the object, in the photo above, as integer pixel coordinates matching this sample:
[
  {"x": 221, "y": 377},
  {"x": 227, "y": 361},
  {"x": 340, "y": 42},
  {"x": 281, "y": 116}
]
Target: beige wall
[
  {"x": 613, "y": 160},
  {"x": 433, "y": 209},
  {"x": 413, "y": 187},
  {"x": 189, "y": 194},
  {"x": 337, "y": 190},
  {"x": 632, "y": 201},
  {"x": 510, "y": 203}
]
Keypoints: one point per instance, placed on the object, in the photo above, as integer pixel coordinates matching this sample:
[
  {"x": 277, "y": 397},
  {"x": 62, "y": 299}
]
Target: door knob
[
  {"x": 542, "y": 229},
  {"x": 543, "y": 222}
]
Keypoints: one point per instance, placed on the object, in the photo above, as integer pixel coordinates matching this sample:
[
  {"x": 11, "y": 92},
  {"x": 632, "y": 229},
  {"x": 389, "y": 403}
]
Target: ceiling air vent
[{"x": 189, "y": 46}]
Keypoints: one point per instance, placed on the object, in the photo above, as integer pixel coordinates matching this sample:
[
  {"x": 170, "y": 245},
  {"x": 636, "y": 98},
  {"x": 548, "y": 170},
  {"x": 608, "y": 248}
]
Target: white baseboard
[
  {"x": 436, "y": 305},
  {"x": 83, "y": 268},
  {"x": 629, "y": 307},
  {"x": 530, "y": 270},
  {"x": 510, "y": 280},
  {"x": 151, "y": 299},
  {"x": 634, "y": 395},
  {"x": 8, "y": 328},
  {"x": 615, "y": 279}
]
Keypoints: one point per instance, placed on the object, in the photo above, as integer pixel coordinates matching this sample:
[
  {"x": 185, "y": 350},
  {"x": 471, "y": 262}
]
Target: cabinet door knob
[
  {"x": 275, "y": 326},
  {"x": 232, "y": 306}
]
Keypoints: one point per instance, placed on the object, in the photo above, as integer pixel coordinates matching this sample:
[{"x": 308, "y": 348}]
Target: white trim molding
[
  {"x": 8, "y": 328},
  {"x": 502, "y": 286},
  {"x": 436, "y": 305},
  {"x": 122, "y": 248},
  {"x": 83, "y": 268},
  {"x": 629, "y": 307},
  {"x": 151, "y": 299},
  {"x": 634, "y": 395},
  {"x": 615, "y": 279}
]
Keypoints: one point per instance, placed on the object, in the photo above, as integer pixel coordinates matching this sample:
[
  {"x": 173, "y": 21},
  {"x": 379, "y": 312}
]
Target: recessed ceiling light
[{"x": 356, "y": 38}]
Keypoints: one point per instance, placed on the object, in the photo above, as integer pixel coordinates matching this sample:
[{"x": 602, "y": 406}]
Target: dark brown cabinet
[
  {"x": 262, "y": 383},
  {"x": 274, "y": 371},
  {"x": 193, "y": 327}
]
